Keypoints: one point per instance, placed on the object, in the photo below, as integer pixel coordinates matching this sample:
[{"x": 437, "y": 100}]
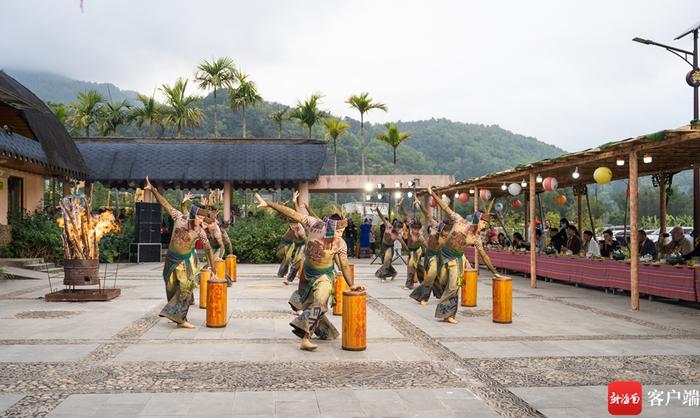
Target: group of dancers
[{"x": 312, "y": 248}]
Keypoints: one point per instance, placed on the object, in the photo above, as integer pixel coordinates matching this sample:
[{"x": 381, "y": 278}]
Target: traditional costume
[
  {"x": 435, "y": 234},
  {"x": 391, "y": 234}
]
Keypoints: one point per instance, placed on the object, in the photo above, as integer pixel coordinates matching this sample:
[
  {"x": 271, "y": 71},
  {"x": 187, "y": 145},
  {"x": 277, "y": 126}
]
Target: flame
[{"x": 104, "y": 223}]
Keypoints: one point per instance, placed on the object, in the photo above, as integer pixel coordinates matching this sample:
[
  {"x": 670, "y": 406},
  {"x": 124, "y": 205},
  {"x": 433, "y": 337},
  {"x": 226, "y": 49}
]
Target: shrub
[
  {"x": 35, "y": 235},
  {"x": 113, "y": 246},
  {"x": 255, "y": 239}
]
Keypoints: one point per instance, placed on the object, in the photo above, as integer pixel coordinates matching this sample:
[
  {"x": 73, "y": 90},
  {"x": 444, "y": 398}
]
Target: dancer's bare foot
[
  {"x": 300, "y": 312},
  {"x": 185, "y": 325},
  {"x": 406, "y": 288},
  {"x": 307, "y": 345},
  {"x": 285, "y": 282},
  {"x": 424, "y": 302},
  {"x": 450, "y": 319}
]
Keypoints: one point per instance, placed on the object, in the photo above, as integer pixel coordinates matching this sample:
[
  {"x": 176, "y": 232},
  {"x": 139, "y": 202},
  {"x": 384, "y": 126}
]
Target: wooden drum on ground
[
  {"x": 231, "y": 266},
  {"x": 217, "y": 312},
  {"x": 354, "y": 320},
  {"x": 471, "y": 277},
  {"x": 204, "y": 276},
  {"x": 340, "y": 287},
  {"x": 502, "y": 300}
]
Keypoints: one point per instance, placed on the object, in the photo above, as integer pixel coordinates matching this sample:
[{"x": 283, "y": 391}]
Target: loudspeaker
[
  {"x": 144, "y": 253},
  {"x": 147, "y": 233},
  {"x": 148, "y": 213}
]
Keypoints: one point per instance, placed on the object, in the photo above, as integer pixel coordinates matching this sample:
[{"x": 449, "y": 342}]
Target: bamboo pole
[
  {"x": 579, "y": 212},
  {"x": 476, "y": 208},
  {"x": 590, "y": 214},
  {"x": 662, "y": 210},
  {"x": 634, "y": 244},
  {"x": 526, "y": 214},
  {"x": 533, "y": 247}
]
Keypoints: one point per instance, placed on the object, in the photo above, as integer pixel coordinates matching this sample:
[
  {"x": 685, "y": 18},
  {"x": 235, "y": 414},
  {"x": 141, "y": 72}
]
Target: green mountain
[{"x": 438, "y": 146}]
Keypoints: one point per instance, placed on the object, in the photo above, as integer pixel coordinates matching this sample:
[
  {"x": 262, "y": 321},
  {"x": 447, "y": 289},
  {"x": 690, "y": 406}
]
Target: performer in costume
[
  {"x": 452, "y": 260},
  {"x": 295, "y": 250},
  {"x": 415, "y": 243},
  {"x": 435, "y": 234},
  {"x": 292, "y": 242},
  {"x": 180, "y": 264},
  {"x": 316, "y": 283},
  {"x": 391, "y": 233}
]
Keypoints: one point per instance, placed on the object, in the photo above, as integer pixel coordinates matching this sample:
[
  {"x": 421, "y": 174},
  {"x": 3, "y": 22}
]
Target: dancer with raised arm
[
  {"x": 180, "y": 264},
  {"x": 415, "y": 243},
  {"x": 452, "y": 260},
  {"x": 316, "y": 282},
  {"x": 292, "y": 242},
  {"x": 295, "y": 252},
  {"x": 391, "y": 234},
  {"x": 435, "y": 234}
]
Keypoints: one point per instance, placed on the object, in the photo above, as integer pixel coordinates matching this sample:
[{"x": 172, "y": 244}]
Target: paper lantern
[
  {"x": 445, "y": 199},
  {"x": 517, "y": 204},
  {"x": 514, "y": 189},
  {"x": 484, "y": 194},
  {"x": 550, "y": 184},
  {"x": 560, "y": 200},
  {"x": 432, "y": 203},
  {"x": 602, "y": 175},
  {"x": 499, "y": 207},
  {"x": 463, "y": 197}
]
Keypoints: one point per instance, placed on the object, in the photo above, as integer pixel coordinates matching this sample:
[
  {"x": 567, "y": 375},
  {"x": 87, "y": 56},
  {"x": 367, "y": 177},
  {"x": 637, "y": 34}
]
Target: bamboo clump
[{"x": 82, "y": 230}]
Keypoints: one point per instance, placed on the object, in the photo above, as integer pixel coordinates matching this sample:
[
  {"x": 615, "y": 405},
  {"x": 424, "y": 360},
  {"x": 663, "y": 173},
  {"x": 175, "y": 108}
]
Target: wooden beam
[
  {"x": 476, "y": 208},
  {"x": 634, "y": 228},
  {"x": 533, "y": 243},
  {"x": 227, "y": 201},
  {"x": 662, "y": 209},
  {"x": 590, "y": 214},
  {"x": 579, "y": 212}
]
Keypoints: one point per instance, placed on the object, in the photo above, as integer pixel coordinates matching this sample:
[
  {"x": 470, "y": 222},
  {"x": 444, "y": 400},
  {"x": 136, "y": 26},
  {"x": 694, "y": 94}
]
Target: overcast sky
[{"x": 565, "y": 72}]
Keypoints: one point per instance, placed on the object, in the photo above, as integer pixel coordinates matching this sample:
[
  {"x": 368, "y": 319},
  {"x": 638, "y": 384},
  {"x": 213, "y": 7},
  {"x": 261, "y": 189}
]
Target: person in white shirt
[{"x": 590, "y": 245}]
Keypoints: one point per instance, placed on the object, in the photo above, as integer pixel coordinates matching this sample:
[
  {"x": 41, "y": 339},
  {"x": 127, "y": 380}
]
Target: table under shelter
[{"x": 660, "y": 154}]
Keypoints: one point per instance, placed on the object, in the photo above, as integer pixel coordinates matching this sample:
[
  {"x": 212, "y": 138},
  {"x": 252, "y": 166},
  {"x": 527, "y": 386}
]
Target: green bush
[
  {"x": 113, "y": 245},
  {"x": 35, "y": 235},
  {"x": 255, "y": 239}
]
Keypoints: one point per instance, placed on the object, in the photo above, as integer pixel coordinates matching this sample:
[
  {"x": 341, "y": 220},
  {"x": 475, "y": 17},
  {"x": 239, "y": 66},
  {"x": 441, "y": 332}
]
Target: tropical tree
[
  {"x": 334, "y": 128},
  {"x": 279, "y": 117},
  {"x": 217, "y": 74},
  {"x": 114, "y": 115},
  {"x": 86, "y": 110},
  {"x": 363, "y": 103},
  {"x": 150, "y": 113},
  {"x": 393, "y": 137},
  {"x": 308, "y": 113},
  {"x": 181, "y": 111},
  {"x": 245, "y": 95}
]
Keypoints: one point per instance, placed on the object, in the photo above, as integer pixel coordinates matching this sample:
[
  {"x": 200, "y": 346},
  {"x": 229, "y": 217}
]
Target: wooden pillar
[
  {"x": 147, "y": 196},
  {"x": 303, "y": 189},
  {"x": 526, "y": 214},
  {"x": 696, "y": 203},
  {"x": 634, "y": 228},
  {"x": 662, "y": 206},
  {"x": 227, "y": 201},
  {"x": 590, "y": 213},
  {"x": 476, "y": 208},
  {"x": 533, "y": 243},
  {"x": 579, "y": 212}
]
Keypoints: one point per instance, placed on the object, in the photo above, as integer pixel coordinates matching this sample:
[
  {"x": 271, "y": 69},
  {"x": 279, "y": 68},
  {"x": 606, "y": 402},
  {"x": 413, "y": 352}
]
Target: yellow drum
[
  {"x": 231, "y": 266},
  {"x": 217, "y": 312},
  {"x": 340, "y": 287},
  {"x": 354, "y": 320},
  {"x": 502, "y": 300},
  {"x": 220, "y": 266},
  {"x": 469, "y": 289},
  {"x": 204, "y": 276}
]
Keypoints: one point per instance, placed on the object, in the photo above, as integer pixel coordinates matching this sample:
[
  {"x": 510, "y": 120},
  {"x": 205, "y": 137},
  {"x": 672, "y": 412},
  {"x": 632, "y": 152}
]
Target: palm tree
[
  {"x": 246, "y": 94},
  {"x": 150, "y": 113},
  {"x": 181, "y": 111},
  {"x": 113, "y": 115},
  {"x": 393, "y": 137},
  {"x": 334, "y": 127},
  {"x": 363, "y": 103},
  {"x": 214, "y": 75},
  {"x": 85, "y": 112},
  {"x": 279, "y": 116},
  {"x": 308, "y": 113}
]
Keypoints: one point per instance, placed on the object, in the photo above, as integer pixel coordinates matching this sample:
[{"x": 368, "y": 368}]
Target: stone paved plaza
[{"x": 120, "y": 359}]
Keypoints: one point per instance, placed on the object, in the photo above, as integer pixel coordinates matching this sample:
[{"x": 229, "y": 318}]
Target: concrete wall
[{"x": 33, "y": 191}]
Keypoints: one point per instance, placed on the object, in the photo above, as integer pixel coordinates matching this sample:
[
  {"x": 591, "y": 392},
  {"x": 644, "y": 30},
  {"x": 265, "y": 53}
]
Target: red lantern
[
  {"x": 549, "y": 184},
  {"x": 463, "y": 197},
  {"x": 560, "y": 200},
  {"x": 484, "y": 194},
  {"x": 517, "y": 203},
  {"x": 432, "y": 203}
]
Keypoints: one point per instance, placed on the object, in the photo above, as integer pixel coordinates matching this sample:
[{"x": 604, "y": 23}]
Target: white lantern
[
  {"x": 514, "y": 189},
  {"x": 499, "y": 207}
]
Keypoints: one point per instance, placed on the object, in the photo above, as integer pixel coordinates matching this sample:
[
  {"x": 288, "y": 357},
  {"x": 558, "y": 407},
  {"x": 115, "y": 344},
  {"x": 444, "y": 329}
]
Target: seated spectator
[
  {"x": 590, "y": 245},
  {"x": 646, "y": 246},
  {"x": 573, "y": 242},
  {"x": 679, "y": 243},
  {"x": 502, "y": 241},
  {"x": 539, "y": 243},
  {"x": 519, "y": 242},
  {"x": 696, "y": 250},
  {"x": 492, "y": 235},
  {"x": 555, "y": 239},
  {"x": 609, "y": 244}
]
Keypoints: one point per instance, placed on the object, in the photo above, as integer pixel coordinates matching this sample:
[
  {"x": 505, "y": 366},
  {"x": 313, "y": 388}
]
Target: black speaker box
[
  {"x": 148, "y": 213},
  {"x": 144, "y": 253}
]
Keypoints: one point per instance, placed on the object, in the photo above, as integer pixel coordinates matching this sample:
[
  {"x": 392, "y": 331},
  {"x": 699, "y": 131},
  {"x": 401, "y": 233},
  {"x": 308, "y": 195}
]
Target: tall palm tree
[
  {"x": 85, "y": 111},
  {"x": 363, "y": 103},
  {"x": 215, "y": 75},
  {"x": 393, "y": 137},
  {"x": 114, "y": 115},
  {"x": 246, "y": 94},
  {"x": 150, "y": 113},
  {"x": 279, "y": 116},
  {"x": 308, "y": 113},
  {"x": 181, "y": 111},
  {"x": 334, "y": 127}
]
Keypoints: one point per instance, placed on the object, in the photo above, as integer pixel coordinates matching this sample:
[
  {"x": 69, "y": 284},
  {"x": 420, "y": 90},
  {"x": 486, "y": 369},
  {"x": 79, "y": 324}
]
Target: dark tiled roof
[
  {"x": 189, "y": 162},
  {"x": 16, "y": 146},
  {"x": 61, "y": 153}
]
